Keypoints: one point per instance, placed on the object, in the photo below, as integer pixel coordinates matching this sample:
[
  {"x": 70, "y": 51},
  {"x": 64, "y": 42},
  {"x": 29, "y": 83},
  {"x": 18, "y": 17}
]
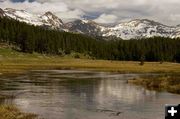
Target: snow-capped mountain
[
  {"x": 48, "y": 19},
  {"x": 137, "y": 28},
  {"x": 85, "y": 27},
  {"x": 52, "y": 20},
  {"x": 176, "y": 33}
]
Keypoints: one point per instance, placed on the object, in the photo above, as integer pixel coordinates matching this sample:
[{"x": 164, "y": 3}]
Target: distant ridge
[{"x": 137, "y": 28}]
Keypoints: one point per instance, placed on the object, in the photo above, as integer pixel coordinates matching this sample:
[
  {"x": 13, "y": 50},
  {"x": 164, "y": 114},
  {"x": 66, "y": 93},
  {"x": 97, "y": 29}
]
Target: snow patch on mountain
[
  {"x": 51, "y": 19},
  {"x": 23, "y": 16},
  {"x": 48, "y": 19},
  {"x": 138, "y": 28}
]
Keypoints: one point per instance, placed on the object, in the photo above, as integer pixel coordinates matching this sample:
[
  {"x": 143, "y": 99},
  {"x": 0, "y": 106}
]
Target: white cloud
[
  {"x": 106, "y": 19},
  {"x": 59, "y": 8},
  {"x": 35, "y": 7},
  {"x": 160, "y": 10},
  {"x": 70, "y": 15}
]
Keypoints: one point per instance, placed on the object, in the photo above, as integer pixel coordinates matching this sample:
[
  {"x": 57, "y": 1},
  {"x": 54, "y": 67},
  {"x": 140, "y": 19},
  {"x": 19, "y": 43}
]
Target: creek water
[{"x": 75, "y": 94}]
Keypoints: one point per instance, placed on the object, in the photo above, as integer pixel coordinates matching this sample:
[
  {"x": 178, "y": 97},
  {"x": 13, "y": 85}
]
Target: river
[{"x": 75, "y": 94}]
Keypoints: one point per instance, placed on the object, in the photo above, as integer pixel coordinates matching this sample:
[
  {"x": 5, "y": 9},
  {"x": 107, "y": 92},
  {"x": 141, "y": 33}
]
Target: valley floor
[{"x": 13, "y": 62}]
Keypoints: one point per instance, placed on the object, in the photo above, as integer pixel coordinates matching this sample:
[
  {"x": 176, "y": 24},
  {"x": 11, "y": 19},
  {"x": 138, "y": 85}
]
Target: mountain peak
[
  {"x": 137, "y": 28},
  {"x": 88, "y": 27},
  {"x": 48, "y": 13},
  {"x": 52, "y": 19},
  {"x": 140, "y": 28},
  {"x": 48, "y": 19},
  {"x": 136, "y": 22}
]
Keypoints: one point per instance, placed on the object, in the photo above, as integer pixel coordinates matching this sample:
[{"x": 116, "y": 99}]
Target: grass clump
[
  {"x": 168, "y": 83},
  {"x": 11, "y": 112}
]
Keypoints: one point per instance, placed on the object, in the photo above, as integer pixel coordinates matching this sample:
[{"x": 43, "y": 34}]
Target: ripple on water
[{"x": 74, "y": 94}]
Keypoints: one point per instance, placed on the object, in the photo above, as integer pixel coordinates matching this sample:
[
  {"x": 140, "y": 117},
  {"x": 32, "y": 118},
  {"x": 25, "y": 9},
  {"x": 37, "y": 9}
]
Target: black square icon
[{"x": 172, "y": 112}]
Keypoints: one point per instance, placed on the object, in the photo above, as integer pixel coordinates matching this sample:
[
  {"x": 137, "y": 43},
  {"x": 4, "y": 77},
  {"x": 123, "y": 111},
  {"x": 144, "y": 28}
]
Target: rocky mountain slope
[
  {"x": 137, "y": 28},
  {"x": 1, "y": 13},
  {"x": 48, "y": 19},
  {"x": 85, "y": 27}
]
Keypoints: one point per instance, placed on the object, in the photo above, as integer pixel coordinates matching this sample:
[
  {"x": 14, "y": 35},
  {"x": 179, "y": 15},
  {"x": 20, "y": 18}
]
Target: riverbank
[
  {"x": 11, "y": 112},
  {"x": 13, "y": 62},
  {"x": 162, "y": 83}
]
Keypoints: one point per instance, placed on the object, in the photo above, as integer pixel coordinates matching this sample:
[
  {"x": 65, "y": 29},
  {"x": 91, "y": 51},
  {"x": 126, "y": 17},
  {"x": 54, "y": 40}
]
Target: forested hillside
[{"x": 37, "y": 39}]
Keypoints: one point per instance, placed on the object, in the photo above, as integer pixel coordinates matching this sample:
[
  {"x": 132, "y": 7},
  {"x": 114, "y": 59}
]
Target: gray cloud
[
  {"x": 106, "y": 19},
  {"x": 106, "y": 11}
]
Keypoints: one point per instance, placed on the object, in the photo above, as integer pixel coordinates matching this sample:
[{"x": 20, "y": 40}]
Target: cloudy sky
[{"x": 103, "y": 11}]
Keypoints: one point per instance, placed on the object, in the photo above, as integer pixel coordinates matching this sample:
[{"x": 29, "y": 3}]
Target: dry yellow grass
[
  {"x": 169, "y": 83},
  {"x": 11, "y": 112},
  {"x": 19, "y": 65},
  {"x": 14, "y": 62}
]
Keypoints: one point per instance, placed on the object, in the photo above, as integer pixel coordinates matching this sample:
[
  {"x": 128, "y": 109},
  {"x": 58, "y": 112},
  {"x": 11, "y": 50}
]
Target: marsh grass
[
  {"x": 11, "y": 112},
  {"x": 166, "y": 83}
]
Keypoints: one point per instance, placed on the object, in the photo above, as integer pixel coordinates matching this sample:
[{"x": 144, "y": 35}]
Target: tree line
[{"x": 29, "y": 38}]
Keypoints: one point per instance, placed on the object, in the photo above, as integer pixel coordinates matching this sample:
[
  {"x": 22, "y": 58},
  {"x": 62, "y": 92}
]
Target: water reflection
[{"x": 68, "y": 94}]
